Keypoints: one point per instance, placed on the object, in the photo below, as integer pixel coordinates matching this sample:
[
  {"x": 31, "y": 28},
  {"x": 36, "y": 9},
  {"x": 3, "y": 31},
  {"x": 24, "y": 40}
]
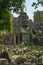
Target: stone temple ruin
[
  {"x": 21, "y": 30},
  {"x": 24, "y": 30}
]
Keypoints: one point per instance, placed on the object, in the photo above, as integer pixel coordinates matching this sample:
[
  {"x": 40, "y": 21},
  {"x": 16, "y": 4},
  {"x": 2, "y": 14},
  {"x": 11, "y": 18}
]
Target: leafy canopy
[
  {"x": 6, "y": 22},
  {"x": 38, "y": 17},
  {"x": 9, "y": 5},
  {"x": 6, "y": 6},
  {"x": 35, "y": 4}
]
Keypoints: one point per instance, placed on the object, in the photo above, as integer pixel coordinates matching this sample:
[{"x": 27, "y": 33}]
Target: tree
[
  {"x": 9, "y": 5},
  {"x": 6, "y": 6},
  {"x": 35, "y": 4},
  {"x": 38, "y": 19},
  {"x": 38, "y": 16},
  {"x": 6, "y": 22}
]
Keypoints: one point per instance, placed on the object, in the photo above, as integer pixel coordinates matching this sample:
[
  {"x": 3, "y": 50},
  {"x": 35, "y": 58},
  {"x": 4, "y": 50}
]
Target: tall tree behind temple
[
  {"x": 38, "y": 16},
  {"x": 38, "y": 26}
]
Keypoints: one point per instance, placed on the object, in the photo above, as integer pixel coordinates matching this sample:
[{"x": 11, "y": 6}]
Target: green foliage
[
  {"x": 38, "y": 17},
  {"x": 6, "y": 22},
  {"x": 9, "y": 5},
  {"x": 1, "y": 39},
  {"x": 20, "y": 60},
  {"x": 3, "y": 62},
  {"x": 6, "y": 6},
  {"x": 35, "y": 4}
]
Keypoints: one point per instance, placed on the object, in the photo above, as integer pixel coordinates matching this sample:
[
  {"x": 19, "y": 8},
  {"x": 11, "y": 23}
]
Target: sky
[{"x": 29, "y": 9}]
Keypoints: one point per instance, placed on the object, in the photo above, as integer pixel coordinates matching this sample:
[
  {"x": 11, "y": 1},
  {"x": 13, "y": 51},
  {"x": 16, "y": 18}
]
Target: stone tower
[{"x": 24, "y": 28}]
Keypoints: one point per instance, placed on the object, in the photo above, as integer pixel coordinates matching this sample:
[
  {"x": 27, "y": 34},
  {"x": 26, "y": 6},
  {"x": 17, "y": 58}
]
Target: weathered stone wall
[{"x": 21, "y": 25}]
